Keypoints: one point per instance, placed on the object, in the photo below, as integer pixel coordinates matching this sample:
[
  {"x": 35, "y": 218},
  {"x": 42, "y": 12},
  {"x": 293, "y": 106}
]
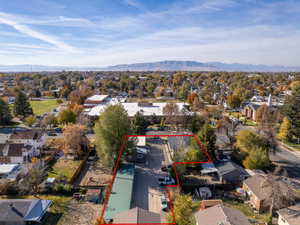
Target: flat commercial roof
[
  {"x": 133, "y": 107},
  {"x": 97, "y": 98},
  {"x": 121, "y": 194}
]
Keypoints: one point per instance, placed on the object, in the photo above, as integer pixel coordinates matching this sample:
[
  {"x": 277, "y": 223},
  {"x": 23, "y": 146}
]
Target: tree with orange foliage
[
  {"x": 76, "y": 108},
  {"x": 75, "y": 141},
  {"x": 191, "y": 98}
]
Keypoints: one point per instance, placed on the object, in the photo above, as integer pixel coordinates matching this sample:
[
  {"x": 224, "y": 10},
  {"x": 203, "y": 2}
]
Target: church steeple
[{"x": 270, "y": 100}]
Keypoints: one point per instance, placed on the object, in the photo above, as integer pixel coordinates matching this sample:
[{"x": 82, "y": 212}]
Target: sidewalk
[
  {"x": 289, "y": 149},
  {"x": 167, "y": 154}
]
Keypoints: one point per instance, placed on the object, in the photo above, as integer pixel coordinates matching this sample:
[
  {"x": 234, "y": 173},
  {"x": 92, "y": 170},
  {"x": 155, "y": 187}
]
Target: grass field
[
  {"x": 65, "y": 168},
  {"x": 41, "y": 107}
]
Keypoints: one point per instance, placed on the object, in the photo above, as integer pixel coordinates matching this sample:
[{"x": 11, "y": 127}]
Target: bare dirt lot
[
  {"x": 81, "y": 213},
  {"x": 94, "y": 175}
]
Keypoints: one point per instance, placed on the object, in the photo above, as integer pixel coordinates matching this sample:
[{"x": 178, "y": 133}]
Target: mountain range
[{"x": 157, "y": 66}]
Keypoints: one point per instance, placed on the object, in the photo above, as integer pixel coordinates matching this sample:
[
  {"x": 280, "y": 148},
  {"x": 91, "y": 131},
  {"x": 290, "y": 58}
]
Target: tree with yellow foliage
[{"x": 285, "y": 131}]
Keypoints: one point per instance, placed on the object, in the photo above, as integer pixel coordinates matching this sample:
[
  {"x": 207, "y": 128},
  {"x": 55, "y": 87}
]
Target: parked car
[
  {"x": 77, "y": 196},
  {"x": 141, "y": 150},
  {"x": 166, "y": 168},
  {"x": 52, "y": 134},
  {"x": 167, "y": 180},
  {"x": 58, "y": 130},
  {"x": 164, "y": 203},
  {"x": 91, "y": 158}
]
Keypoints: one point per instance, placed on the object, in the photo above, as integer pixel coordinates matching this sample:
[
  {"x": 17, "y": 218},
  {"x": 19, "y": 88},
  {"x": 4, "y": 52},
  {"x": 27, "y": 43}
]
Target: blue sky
[{"x": 109, "y": 32}]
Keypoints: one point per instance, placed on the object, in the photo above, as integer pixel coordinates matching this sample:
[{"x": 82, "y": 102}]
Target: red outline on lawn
[{"x": 115, "y": 170}]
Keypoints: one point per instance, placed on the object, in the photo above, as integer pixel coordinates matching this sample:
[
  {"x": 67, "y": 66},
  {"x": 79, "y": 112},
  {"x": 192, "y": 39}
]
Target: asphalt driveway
[{"x": 146, "y": 190}]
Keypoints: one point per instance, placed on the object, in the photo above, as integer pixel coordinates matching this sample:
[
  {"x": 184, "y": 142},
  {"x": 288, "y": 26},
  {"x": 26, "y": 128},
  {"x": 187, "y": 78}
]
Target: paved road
[
  {"x": 289, "y": 160},
  {"x": 146, "y": 191}
]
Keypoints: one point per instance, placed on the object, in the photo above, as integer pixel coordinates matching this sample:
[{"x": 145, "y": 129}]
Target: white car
[
  {"x": 164, "y": 203},
  {"x": 142, "y": 150}
]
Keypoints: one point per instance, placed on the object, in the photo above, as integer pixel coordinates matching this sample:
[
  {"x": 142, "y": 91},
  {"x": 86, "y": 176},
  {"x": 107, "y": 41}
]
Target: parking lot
[{"x": 146, "y": 191}]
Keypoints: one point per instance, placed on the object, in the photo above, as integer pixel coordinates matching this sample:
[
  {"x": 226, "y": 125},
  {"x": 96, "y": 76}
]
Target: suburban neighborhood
[
  {"x": 150, "y": 112},
  {"x": 89, "y": 154}
]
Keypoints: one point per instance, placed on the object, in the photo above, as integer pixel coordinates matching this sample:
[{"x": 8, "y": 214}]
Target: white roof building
[
  {"x": 97, "y": 98},
  {"x": 9, "y": 171},
  {"x": 133, "y": 107}
]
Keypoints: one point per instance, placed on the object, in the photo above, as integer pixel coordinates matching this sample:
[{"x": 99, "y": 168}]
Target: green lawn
[
  {"x": 250, "y": 123},
  {"x": 293, "y": 146},
  {"x": 237, "y": 115},
  {"x": 64, "y": 168},
  {"x": 57, "y": 210},
  {"x": 41, "y": 107}
]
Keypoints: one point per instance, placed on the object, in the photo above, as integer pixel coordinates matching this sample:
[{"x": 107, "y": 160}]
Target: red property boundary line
[{"x": 117, "y": 164}]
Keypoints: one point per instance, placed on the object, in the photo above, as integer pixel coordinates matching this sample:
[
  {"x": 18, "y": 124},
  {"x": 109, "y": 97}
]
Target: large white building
[{"x": 146, "y": 109}]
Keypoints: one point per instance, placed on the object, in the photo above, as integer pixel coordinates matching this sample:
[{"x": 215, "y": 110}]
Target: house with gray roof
[
  {"x": 220, "y": 215},
  {"x": 230, "y": 173},
  {"x": 23, "y": 211},
  {"x": 259, "y": 191},
  {"x": 136, "y": 216},
  {"x": 289, "y": 215}
]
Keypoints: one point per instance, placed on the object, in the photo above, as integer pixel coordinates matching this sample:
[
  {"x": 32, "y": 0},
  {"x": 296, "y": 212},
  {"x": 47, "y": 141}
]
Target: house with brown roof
[
  {"x": 35, "y": 138},
  {"x": 95, "y": 100},
  {"x": 220, "y": 215},
  {"x": 136, "y": 216},
  {"x": 16, "y": 153},
  {"x": 258, "y": 193},
  {"x": 289, "y": 215}
]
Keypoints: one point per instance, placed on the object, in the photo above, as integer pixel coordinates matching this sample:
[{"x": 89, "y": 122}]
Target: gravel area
[{"x": 81, "y": 213}]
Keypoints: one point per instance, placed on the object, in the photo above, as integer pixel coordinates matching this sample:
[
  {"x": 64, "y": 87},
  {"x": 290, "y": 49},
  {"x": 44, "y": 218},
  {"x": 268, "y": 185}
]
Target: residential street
[
  {"x": 146, "y": 191},
  {"x": 289, "y": 160}
]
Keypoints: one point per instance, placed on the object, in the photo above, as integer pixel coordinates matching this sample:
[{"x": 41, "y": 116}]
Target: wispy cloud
[
  {"x": 48, "y": 20},
  {"x": 36, "y": 34},
  {"x": 135, "y": 3}
]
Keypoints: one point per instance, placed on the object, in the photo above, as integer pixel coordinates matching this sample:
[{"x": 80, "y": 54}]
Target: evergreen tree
[
  {"x": 139, "y": 123},
  {"x": 22, "y": 106},
  {"x": 285, "y": 130},
  {"x": 5, "y": 115},
  {"x": 208, "y": 138},
  {"x": 292, "y": 111}
]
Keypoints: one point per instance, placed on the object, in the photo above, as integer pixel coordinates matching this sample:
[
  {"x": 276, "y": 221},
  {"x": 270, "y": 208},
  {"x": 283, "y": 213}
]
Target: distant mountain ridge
[{"x": 157, "y": 66}]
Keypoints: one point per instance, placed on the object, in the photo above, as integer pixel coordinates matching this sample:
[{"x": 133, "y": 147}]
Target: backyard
[
  {"x": 247, "y": 210},
  {"x": 64, "y": 168}
]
